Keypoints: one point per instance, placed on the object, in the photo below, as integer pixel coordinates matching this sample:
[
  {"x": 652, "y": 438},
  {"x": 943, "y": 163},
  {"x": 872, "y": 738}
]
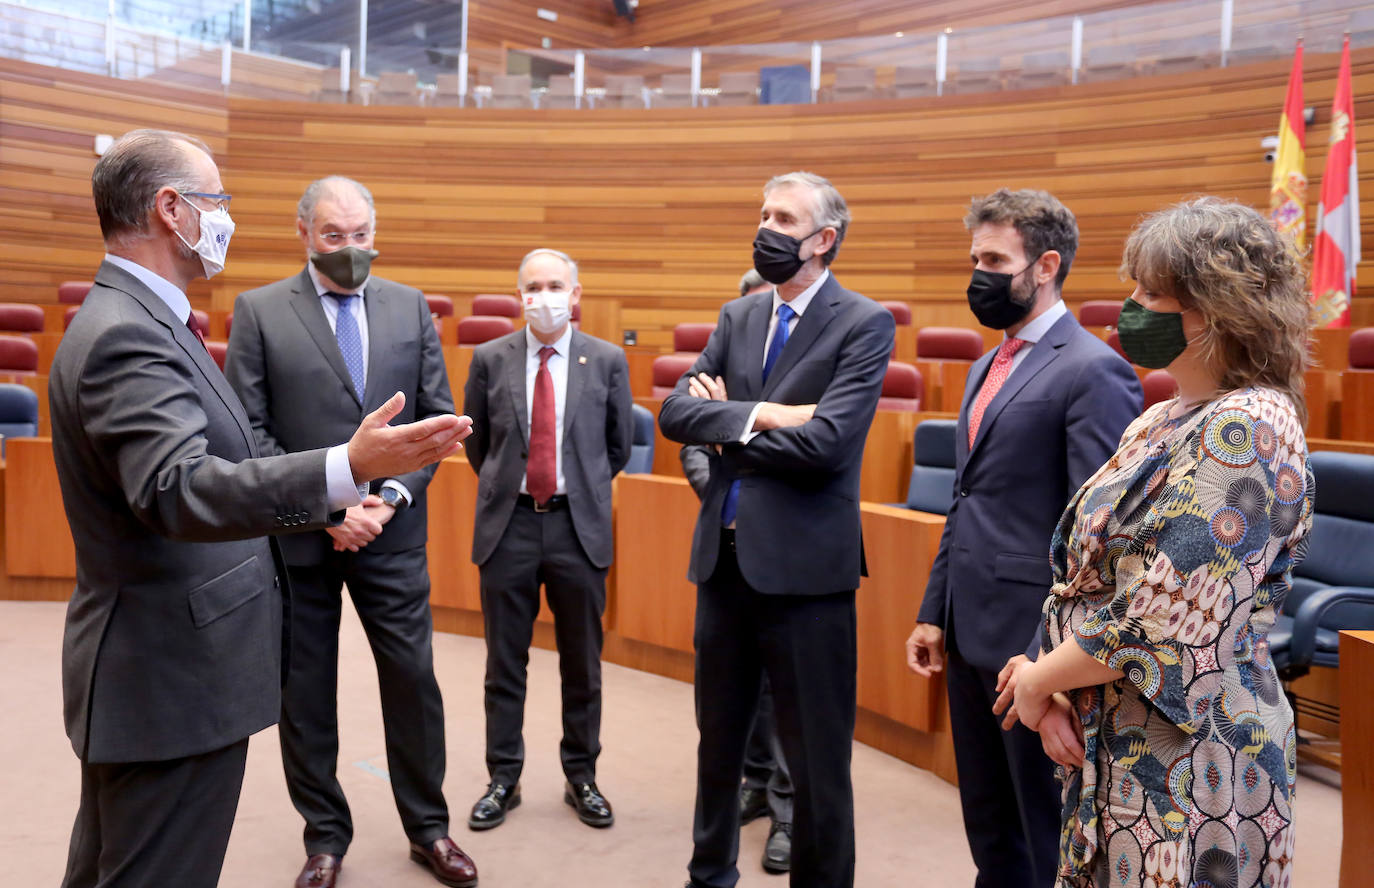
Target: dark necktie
[
  {"x": 194, "y": 326},
  {"x": 350, "y": 340},
  {"x": 541, "y": 472},
  {"x": 780, "y": 334}
]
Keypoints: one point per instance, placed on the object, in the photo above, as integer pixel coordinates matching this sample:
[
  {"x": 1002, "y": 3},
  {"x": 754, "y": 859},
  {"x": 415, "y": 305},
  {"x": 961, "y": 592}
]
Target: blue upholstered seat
[
  {"x": 932, "y": 475},
  {"x": 642, "y": 451}
]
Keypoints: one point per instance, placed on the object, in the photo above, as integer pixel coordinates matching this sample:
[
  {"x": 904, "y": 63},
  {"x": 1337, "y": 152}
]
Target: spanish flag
[
  {"x": 1336, "y": 250},
  {"x": 1288, "y": 187}
]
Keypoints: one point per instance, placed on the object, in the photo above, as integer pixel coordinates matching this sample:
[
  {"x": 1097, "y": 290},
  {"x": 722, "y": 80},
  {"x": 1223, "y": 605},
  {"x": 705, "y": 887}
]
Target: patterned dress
[{"x": 1170, "y": 565}]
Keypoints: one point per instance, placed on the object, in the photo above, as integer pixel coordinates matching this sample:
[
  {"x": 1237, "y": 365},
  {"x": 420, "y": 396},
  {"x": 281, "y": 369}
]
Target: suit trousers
[
  {"x": 156, "y": 823},
  {"x": 807, "y": 646},
  {"x": 541, "y": 548},
  {"x": 765, "y": 767},
  {"x": 1007, "y": 787},
  {"x": 390, "y": 591}
]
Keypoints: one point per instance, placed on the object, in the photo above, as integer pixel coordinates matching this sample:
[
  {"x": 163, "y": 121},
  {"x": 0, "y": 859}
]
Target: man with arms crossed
[
  {"x": 787, "y": 388},
  {"x": 172, "y": 655},
  {"x": 1041, "y": 413},
  {"x": 308, "y": 355}
]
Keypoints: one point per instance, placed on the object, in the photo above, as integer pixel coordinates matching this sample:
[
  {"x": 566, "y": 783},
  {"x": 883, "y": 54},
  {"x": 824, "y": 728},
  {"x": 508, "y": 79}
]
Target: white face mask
[
  {"x": 215, "y": 230},
  {"x": 547, "y": 311}
]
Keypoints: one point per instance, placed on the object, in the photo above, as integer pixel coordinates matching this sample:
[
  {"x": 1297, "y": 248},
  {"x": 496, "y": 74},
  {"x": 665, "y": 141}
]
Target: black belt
[{"x": 556, "y": 502}]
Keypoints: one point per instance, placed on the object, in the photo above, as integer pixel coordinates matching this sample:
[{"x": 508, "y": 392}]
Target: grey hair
[
  {"x": 330, "y": 185},
  {"x": 128, "y": 176},
  {"x": 751, "y": 279},
  {"x": 546, "y": 251},
  {"x": 828, "y": 209}
]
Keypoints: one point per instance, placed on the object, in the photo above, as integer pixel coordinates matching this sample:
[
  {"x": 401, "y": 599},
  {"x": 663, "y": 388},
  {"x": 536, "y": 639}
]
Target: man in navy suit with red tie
[{"x": 1041, "y": 413}]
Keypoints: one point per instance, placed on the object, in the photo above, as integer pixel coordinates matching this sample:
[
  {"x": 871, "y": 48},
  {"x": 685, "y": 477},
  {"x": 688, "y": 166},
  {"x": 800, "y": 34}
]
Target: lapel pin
[{"x": 581, "y": 359}]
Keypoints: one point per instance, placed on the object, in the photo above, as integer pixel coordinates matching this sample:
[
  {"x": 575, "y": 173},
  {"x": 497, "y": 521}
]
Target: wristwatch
[{"x": 393, "y": 497}]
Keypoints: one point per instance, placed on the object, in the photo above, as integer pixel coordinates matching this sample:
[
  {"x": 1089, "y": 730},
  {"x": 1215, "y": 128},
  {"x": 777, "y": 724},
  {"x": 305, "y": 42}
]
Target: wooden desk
[
  {"x": 38, "y": 542},
  {"x": 457, "y": 359},
  {"x": 1357, "y": 405},
  {"x": 886, "y": 469},
  {"x": 655, "y": 603},
  {"x": 1357, "y": 759}
]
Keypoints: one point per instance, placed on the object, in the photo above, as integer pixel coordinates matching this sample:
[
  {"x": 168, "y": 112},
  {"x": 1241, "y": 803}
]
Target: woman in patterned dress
[{"x": 1154, "y": 689}]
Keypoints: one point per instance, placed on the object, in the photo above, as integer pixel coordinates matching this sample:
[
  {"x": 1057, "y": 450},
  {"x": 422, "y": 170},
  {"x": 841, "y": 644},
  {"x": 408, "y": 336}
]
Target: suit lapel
[
  {"x": 978, "y": 372},
  {"x": 577, "y": 378},
  {"x": 755, "y": 331},
  {"x": 380, "y": 331},
  {"x": 817, "y": 316},
  {"x": 1040, "y": 357},
  {"x": 306, "y": 303},
  {"x": 516, "y": 357},
  {"x": 116, "y": 278}
]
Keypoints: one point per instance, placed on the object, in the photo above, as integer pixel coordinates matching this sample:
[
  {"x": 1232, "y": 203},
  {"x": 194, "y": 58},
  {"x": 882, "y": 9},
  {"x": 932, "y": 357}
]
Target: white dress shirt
[
  {"x": 1035, "y": 331},
  {"x": 331, "y": 307},
  {"x": 799, "y": 305},
  {"x": 338, "y": 473},
  {"x": 558, "y": 370}
]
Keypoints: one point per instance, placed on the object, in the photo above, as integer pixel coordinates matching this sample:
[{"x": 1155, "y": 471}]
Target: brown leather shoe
[
  {"x": 321, "y": 871},
  {"x": 447, "y": 861}
]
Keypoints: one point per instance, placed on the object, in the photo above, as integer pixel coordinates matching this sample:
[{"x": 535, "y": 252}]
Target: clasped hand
[
  {"x": 362, "y": 524},
  {"x": 1052, "y": 716}
]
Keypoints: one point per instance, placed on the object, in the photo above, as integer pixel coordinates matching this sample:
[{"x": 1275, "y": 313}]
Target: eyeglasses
[
  {"x": 221, "y": 200},
  {"x": 334, "y": 238}
]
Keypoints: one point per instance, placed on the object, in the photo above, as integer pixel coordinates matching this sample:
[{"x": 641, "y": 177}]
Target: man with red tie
[
  {"x": 552, "y": 426},
  {"x": 1041, "y": 413}
]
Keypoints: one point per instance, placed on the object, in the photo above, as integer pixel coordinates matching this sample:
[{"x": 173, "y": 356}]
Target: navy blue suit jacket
[
  {"x": 797, "y": 528},
  {"x": 1058, "y": 417}
]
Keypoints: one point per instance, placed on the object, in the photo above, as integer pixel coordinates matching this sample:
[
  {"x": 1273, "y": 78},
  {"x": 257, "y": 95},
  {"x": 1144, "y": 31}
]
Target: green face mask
[
  {"x": 1150, "y": 339},
  {"x": 347, "y": 267}
]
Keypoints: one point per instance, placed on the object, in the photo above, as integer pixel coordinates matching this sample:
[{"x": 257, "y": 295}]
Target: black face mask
[
  {"x": 347, "y": 267},
  {"x": 777, "y": 256},
  {"x": 991, "y": 299},
  {"x": 1151, "y": 339}
]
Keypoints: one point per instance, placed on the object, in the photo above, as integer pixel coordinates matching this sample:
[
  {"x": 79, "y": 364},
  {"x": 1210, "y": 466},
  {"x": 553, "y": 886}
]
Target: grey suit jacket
[
  {"x": 797, "y": 530},
  {"x": 284, "y": 363},
  {"x": 174, "y": 639},
  {"x": 1057, "y": 418},
  {"x": 598, "y": 430}
]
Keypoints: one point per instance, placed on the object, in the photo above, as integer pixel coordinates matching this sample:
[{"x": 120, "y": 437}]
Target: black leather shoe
[
  {"x": 592, "y": 807},
  {"x": 777, "y": 854},
  {"x": 491, "y": 808},
  {"x": 753, "y": 804}
]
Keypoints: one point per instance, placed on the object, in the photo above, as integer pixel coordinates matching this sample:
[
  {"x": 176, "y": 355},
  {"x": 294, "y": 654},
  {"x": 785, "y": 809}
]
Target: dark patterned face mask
[{"x": 1152, "y": 339}]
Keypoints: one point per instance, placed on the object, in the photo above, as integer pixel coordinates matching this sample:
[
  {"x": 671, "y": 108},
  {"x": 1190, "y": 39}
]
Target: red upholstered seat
[
  {"x": 1099, "y": 313},
  {"x": 1159, "y": 385},
  {"x": 228, "y": 323},
  {"x": 218, "y": 350},
  {"x": 668, "y": 369},
  {"x": 73, "y": 292},
  {"x": 1114, "y": 341},
  {"x": 901, "y": 312},
  {"x": 479, "y": 329},
  {"x": 903, "y": 388},
  {"x": 948, "y": 344},
  {"x": 68, "y": 315},
  {"x": 692, "y": 337},
  {"x": 203, "y": 319},
  {"x": 497, "y": 305},
  {"x": 1361, "y": 354},
  {"x": 439, "y": 305},
  {"x": 21, "y": 317},
  {"x": 18, "y": 354}
]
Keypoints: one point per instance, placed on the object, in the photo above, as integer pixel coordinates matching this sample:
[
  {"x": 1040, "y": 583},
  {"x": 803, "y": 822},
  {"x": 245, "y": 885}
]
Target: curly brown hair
[
  {"x": 1225, "y": 260},
  {"x": 1042, "y": 221}
]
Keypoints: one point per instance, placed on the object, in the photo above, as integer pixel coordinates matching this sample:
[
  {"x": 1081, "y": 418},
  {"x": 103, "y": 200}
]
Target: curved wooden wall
[{"x": 659, "y": 206}]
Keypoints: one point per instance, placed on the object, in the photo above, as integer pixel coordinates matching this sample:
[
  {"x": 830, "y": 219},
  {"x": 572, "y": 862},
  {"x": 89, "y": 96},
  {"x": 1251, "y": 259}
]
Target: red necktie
[
  {"x": 194, "y": 326},
  {"x": 997, "y": 374},
  {"x": 541, "y": 473}
]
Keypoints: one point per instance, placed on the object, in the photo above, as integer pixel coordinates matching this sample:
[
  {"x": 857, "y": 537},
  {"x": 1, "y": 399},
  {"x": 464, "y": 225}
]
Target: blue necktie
[
  {"x": 350, "y": 341},
  {"x": 785, "y": 316}
]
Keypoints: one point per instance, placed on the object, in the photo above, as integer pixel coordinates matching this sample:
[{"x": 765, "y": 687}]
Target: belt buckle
[{"x": 541, "y": 509}]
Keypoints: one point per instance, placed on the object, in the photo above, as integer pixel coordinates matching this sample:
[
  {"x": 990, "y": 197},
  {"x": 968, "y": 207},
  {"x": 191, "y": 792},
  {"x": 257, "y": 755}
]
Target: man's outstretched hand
[{"x": 378, "y": 450}]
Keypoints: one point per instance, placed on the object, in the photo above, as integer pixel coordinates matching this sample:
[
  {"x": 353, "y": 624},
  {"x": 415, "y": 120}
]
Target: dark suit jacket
[
  {"x": 598, "y": 430},
  {"x": 1056, "y": 420},
  {"x": 284, "y": 363},
  {"x": 174, "y": 633},
  {"x": 797, "y": 527}
]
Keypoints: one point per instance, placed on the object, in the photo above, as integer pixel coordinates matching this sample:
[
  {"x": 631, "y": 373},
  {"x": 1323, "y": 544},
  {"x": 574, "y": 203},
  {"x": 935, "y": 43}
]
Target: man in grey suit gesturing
[
  {"x": 174, "y": 637},
  {"x": 552, "y": 414},
  {"x": 308, "y": 355},
  {"x": 787, "y": 388}
]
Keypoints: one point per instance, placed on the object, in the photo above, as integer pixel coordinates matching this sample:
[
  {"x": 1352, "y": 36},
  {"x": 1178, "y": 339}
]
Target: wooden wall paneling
[
  {"x": 1357, "y": 763},
  {"x": 1323, "y": 394},
  {"x": 1357, "y": 405},
  {"x": 457, "y": 359},
  {"x": 38, "y": 542}
]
